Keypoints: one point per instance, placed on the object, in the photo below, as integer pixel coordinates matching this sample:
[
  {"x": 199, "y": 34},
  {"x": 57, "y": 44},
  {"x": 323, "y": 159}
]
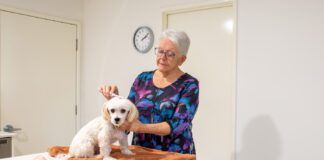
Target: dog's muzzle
[{"x": 117, "y": 120}]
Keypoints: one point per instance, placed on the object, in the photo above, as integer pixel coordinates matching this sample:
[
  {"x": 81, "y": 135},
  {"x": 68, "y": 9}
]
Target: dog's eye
[
  {"x": 122, "y": 110},
  {"x": 112, "y": 110}
]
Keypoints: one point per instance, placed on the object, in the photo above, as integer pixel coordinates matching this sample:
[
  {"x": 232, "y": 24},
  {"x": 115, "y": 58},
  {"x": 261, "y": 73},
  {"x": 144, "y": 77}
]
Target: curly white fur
[{"x": 102, "y": 131}]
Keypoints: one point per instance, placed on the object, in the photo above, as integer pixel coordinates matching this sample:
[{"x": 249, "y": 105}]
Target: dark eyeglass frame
[{"x": 160, "y": 52}]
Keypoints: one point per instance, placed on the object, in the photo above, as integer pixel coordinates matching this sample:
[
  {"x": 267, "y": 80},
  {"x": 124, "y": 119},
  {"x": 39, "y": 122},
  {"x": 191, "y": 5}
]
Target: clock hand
[{"x": 144, "y": 36}]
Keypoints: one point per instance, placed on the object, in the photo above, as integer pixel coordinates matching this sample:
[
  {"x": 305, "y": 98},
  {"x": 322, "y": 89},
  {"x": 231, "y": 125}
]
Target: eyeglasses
[{"x": 160, "y": 53}]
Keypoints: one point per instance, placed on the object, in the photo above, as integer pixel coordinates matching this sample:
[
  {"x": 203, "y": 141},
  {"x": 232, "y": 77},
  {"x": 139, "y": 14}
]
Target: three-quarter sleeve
[
  {"x": 132, "y": 92},
  {"x": 185, "y": 109}
]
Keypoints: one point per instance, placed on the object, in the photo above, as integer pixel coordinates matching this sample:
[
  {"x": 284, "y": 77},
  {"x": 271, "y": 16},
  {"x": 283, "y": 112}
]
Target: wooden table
[{"x": 141, "y": 153}]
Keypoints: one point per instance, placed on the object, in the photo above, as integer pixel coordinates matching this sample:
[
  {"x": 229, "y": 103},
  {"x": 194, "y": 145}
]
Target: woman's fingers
[
  {"x": 111, "y": 89},
  {"x": 108, "y": 90},
  {"x": 114, "y": 90},
  {"x": 101, "y": 88},
  {"x": 125, "y": 126},
  {"x": 133, "y": 126}
]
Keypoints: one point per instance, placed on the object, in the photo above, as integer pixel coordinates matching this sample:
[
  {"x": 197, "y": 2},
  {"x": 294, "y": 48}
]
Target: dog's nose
[{"x": 117, "y": 119}]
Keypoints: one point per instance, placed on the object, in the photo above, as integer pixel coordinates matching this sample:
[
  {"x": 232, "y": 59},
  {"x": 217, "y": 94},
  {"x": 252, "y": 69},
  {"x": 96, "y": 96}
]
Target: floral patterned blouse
[{"x": 175, "y": 104}]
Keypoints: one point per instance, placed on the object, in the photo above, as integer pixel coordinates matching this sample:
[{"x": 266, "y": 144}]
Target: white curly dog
[{"x": 103, "y": 130}]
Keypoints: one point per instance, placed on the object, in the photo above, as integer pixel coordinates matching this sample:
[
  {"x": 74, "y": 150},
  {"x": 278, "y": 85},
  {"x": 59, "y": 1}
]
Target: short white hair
[{"x": 179, "y": 38}]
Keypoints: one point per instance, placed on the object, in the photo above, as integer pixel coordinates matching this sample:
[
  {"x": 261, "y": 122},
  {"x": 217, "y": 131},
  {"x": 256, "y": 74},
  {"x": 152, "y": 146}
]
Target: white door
[
  {"x": 38, "y": 81},
  {"x": 211, "y": 59}
]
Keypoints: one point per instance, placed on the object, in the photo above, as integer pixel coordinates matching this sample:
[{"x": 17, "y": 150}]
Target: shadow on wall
[{"x": 261, "y": 140}]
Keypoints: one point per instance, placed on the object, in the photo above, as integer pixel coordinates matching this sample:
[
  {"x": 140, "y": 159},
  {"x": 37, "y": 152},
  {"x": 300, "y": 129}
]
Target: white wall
[
  {"x": 280, "y": 98},
  {"x": 71, "y": 9}
]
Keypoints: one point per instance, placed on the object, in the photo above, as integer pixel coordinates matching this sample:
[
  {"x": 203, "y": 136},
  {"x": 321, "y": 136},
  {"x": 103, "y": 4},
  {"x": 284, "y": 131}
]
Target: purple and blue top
[{"x": 175, "y": 104}]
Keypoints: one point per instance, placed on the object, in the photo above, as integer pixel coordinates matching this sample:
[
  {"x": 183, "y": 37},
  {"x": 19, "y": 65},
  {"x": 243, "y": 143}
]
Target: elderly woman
[{"x": 166, "y": 98}]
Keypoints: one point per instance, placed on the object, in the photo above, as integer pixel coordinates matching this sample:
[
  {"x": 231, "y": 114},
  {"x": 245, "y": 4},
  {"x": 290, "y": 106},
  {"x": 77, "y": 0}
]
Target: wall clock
[{"x": 143, "y": 39}]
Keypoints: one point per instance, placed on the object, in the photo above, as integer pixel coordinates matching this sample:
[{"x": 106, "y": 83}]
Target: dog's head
[{"x": 119, "y": 109}]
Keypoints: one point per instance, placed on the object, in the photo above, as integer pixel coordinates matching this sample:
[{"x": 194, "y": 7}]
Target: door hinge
[
  {"x": 76, "y": 44},
  {"x": 76, "y": 110}
]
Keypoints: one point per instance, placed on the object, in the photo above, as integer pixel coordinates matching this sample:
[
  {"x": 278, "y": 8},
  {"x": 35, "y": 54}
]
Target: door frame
[
  {"x": 78, "y": 48},
  {"x": 166, "y": 12}
]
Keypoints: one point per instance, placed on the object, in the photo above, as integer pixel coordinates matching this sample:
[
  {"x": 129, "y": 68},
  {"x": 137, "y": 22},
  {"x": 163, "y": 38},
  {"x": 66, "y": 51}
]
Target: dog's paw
[
  {"x": 99, "y": 156},
  {"x": 127, "y": 152},
  {"x": 109, "y": 158}
]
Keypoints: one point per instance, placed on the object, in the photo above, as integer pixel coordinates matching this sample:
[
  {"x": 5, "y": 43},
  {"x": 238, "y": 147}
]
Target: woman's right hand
[{"x": 108, "y": 90}]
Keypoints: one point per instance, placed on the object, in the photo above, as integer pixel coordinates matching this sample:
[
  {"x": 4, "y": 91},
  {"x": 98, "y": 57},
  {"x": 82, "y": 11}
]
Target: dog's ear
[
  {"x": 105, "y": 112},
  {"x": 132, "y": 114}
]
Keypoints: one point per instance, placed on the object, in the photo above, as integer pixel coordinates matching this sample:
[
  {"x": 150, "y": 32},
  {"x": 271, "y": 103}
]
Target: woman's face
[{"x": 168, "y": 58}]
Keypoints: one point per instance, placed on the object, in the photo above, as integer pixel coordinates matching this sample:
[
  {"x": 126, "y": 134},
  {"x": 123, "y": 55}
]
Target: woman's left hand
[{"x": 133, "y": 126}]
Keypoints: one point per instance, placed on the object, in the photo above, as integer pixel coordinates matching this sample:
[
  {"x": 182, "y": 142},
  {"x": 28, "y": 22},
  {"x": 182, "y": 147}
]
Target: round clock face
[{"x": 143, "y": 39}]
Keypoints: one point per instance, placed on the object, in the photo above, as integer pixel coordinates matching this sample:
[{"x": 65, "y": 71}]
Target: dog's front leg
[
  {"x": 124, "y": 146},
  {"x": 105, "y": 150},
  {"x": 104, "y": 145}
]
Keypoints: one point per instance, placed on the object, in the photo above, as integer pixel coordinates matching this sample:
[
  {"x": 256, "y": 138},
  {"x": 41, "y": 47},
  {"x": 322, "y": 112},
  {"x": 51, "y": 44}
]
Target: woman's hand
[
  {"x": 134, "y": 126},
  {"x": 108, "y": 90}
]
